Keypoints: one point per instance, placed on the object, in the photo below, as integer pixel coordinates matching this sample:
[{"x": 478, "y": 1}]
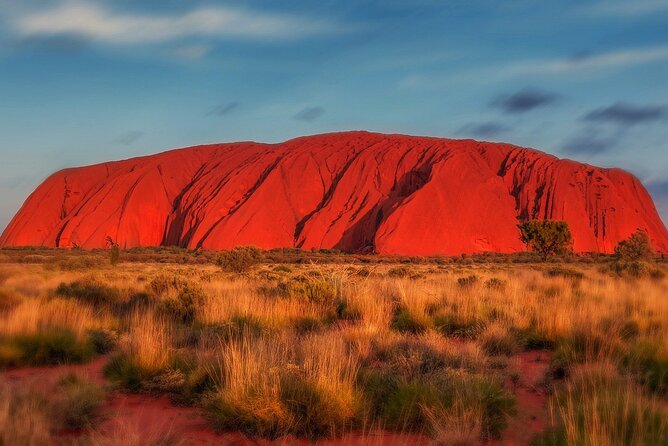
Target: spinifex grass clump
[
  {"x": 77, "y": 401},
  {"x": 272, "y": 387},
  {"x": 598, "y": 406},
  {"x": 90, "y": 291},
  {"x": 40, "y": 331},
  {"x": 409, "y": 381},
  {"x": 144, "y": 352}
]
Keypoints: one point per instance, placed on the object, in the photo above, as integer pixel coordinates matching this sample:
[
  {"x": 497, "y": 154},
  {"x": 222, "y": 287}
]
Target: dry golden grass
[
  {"x": 33, "y": 316},
  {"x": 316, "y": 350},
  {"x": 24, "y": 418},
  {"x": 599, "y": 407},
  {"x": 148, "y": 341},
  {"x": 226, "y": 300}
]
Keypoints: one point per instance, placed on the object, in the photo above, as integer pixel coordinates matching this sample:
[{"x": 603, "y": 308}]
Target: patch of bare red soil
[
  {"x": 532, "y": 414},
  {"x": 147, "y": 419}
]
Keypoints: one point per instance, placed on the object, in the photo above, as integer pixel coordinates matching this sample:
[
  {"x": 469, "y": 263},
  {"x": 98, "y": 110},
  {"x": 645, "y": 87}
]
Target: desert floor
[{"x": 166, "y": 347}]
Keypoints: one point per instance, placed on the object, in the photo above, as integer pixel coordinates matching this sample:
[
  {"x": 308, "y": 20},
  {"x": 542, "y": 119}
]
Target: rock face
[{"x": 355, "y": 191}]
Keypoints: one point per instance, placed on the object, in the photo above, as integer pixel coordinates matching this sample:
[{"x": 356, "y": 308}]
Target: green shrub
[
  {"x": 307, "y": 324},
  {"x": 316, "y": 410},
  {"x": 345, "y": 312},
  {"x": 645, "y": 361},
  {"x": 89, "y": 291},
  {"x": 254, "y": 416},
  {"x": 636, "y": 248},
  {"x": 103, "y": 341},
  {"x": 405, "y": 322},
  {"x": 183, "y": 307},
  {"x": 546, "y": 237},
  {"x": 403, "y": 408},
  {"x": 657, "y": 274},
  {"x": 531, "y": 338},
  {"x": 568, "y": 273},
  {"x": 282, "y": 269},
  {"x": 114, "y": 254},
  {"x": 51, "y": 348},
  {"x": 451, "y": 325},
  {"x": 629, "y": 330},
  {"x": 597, "y": 407},
  {"x": 636, "y": 269},
  {"x": 577, "y": 348},
  {"x": 496, "y": 284},
  {"x": 164, "y": 283},
  {"x": 398, "y": 271},
  {"x": 317, "y": 290},
  {"x": 77, "y": 401},
  {"x": 497, "y": 341},
  {"x": 125, "y": 372},
  {"x": 405, "y": 405},
  {"x": 239, "y": 260},
  {"x": 467, "y": 281}
]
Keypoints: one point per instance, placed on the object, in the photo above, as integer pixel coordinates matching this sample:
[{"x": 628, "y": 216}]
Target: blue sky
[{"x": 85, "y": 81}]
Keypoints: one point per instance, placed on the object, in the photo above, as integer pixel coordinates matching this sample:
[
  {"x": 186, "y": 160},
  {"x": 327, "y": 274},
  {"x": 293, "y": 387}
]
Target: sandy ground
[{"x": 148, "y": 419}]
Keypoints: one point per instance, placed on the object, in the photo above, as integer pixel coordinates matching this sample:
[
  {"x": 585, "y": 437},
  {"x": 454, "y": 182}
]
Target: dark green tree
[
  {"x": 546, "y": 237},
  {"x": 635, "y": 248}
]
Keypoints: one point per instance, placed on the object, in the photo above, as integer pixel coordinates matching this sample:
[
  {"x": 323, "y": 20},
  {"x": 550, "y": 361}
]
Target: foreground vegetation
[{"x": 321, "y": 344}]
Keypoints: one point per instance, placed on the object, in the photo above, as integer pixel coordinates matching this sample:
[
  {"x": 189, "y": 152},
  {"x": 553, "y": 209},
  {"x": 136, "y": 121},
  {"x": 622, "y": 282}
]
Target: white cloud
[
  {"x": 614, "y": 59},
  {"x": 600, "y": 63},
  {"x": 97, "y": 22}
]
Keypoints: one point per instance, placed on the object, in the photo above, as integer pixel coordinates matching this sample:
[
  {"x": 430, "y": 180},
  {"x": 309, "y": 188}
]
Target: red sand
[
  {"x": 532, "y": 415},
  {"x": 146, "y": 418},
  {"x": 355, "y": 191}
]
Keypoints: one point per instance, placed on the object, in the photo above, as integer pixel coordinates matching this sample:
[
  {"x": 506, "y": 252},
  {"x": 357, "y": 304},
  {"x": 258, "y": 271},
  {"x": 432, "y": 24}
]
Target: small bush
[
  {"x": 496, "y": 340},
  {"x": 125, "y": 373},
  {"x": 467, "y": 281},
  {"x": 77, "y": 401},
  {"x": 398, "y": 272},
  {"x": 317, "y": 290},
  {"x": 567, "y": 273},
  {"x": 646, "y": 363},
  {"x": 103, "y": 341},
  {"x": 307, "y": 324},
  {"x": 451, "y": 325},
  {"x": 657, "y": 274},
  {"x": 282, "y": 269},
  {"x": 533, "y": 339},
  {"x": 239, "y": 260},
  {"x": 405, "y": 322},
  {"x": 636, "y": 248},
  {"x": 407, "y": 405},
  {"x": 89, "y": 291},
  {"x": 496, "y": 284},
  {"x": 49, "y": 348},
  {"x": 599, "y": 407},
  {"x": 182, "y": 307}
]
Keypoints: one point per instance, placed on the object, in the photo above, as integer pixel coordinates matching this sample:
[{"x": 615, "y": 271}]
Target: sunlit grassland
[{"x": 319, "y": 350}]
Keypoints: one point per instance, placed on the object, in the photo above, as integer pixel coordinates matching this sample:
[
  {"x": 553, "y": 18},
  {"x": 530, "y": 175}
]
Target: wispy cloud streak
[
  {"x": 584, "y": 62},
  {"x": 102, "y": 24}
]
